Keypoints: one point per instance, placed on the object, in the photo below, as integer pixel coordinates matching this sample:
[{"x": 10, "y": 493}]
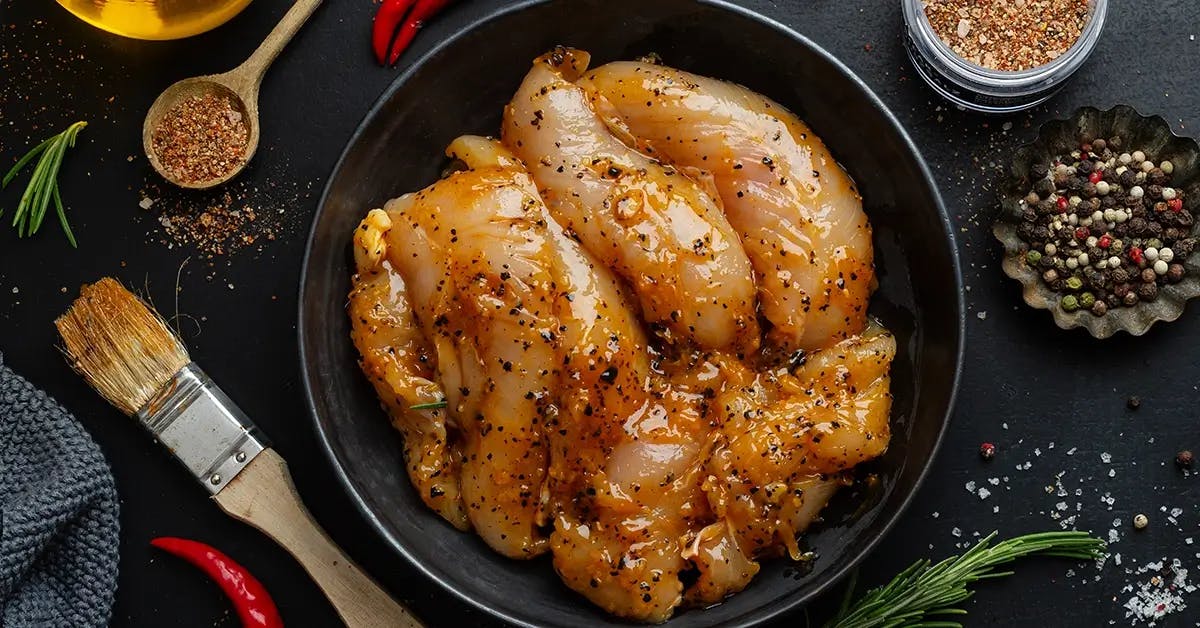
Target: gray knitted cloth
[{"x": 58, "y": 515}]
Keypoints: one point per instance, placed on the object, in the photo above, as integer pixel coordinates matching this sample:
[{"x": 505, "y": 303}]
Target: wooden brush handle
[{"x": 263, "y": 496}]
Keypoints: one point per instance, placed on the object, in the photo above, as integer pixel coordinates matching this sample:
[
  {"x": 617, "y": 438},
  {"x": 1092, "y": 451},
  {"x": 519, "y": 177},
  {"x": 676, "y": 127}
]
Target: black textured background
[{"x": 1055, "y": 400}]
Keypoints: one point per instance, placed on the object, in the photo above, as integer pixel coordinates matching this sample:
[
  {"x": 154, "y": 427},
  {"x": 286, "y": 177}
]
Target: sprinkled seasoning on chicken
[
  {"x": 798, "y": 214},
  {"x": 609, "y": 396},
  {"x": 655, "y": 227}
]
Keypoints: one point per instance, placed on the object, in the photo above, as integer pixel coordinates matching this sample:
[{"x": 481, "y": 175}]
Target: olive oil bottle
[{"x": 155, "y": 19}]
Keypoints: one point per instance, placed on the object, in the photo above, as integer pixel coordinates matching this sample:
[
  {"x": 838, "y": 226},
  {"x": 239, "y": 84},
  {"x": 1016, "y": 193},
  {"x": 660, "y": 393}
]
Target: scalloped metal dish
[{"x": 1151, "y": 134}]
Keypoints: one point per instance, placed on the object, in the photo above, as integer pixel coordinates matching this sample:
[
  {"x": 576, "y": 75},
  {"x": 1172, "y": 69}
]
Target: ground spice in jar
[
  {"x": 1008, "y": 35},
  {"x": 201, "y": 138}
]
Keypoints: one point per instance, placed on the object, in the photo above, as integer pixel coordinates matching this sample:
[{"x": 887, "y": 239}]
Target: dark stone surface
[{"x": 1047, "y": 386}]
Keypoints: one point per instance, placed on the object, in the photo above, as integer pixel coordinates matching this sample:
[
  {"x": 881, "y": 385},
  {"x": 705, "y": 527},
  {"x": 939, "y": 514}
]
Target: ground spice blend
[
  {"x": 201, "y": 139},
  {"x": 1008, "y": 35}
]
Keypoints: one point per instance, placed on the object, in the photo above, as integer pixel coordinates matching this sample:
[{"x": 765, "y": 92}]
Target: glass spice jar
[{"x": 975, "y": 87}]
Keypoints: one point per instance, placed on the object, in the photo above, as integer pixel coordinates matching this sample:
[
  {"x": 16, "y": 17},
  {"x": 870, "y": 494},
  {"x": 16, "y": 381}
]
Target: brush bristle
[{"x": 124, "y": 350}]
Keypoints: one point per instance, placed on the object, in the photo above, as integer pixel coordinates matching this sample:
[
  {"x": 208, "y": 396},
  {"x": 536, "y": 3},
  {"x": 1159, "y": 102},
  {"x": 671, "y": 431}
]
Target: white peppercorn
[
  {"x": 1136, "y": 192},
  {"x": 1138, "y": 156},
  {"x": 1168, "y": 193},
  {"x": 1151, "y": 254},
  {"x": 1160, "y": 267},
  {"x": 1114, "y": 261},
  {"x": 1102, "y": 188},
  {"x": 1167, "y": 167},
  {"x": 1166, "y": 254}
]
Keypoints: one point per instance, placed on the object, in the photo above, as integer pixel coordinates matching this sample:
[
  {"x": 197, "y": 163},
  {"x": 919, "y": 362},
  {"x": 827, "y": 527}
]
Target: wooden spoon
[{"x": 239, "y": 85}]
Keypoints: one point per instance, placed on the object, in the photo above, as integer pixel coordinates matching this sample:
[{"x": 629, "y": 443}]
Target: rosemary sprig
[
  {"x": 923, "y": 591},
  {"x": 43, "y": 184},
  {"x": 436, "y": 405}
]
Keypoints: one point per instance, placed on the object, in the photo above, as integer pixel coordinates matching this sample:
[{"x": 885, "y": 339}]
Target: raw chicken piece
[
  {"x": 472, "y": 252},
  {"x": 649, "y": 223},
  {"x": 399, "y": 363},
  {"x": 798, "y": 214},
  {"x": 785, "y": 438}
]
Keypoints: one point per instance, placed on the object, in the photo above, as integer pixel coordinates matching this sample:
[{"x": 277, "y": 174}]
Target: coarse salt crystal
[
  {"x": 984, "y": 493},
  {"x": 1105, "y": 457},
  {"x": 956, "y": 532}
]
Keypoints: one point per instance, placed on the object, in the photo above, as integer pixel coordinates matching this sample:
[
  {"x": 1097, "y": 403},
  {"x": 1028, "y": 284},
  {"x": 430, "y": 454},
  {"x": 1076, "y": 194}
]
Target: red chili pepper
[
  {"x": 248, "y": 595},
  {"x": 1175, "y": 205},
  {"x": 1095, "y": 176},
  {"x": 1104, "y": 242},
  {"x": 1061, "y": 203},
  {"x": 1135, "y": 254},
  {"x": 422, "y": 11},
  {"x": 387, "y": 18},
  {"x": 1081, "y": 233}
]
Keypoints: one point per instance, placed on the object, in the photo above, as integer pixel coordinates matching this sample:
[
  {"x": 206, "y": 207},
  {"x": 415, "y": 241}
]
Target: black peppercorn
[
  {"x": 1114, "y": 142},
  {"x": 1028, "y": 215},
  {"x": 1032, "y": 198},
  {"x": 1183, "y": 248},
  {"x": 1075, "y": 184},
  {"x": 1041, "y": 232},
  {"x": 1184, "y": 459},
  {"x": 1025, "y": 231},
  {"x": 1038, "y": 171},
  {"x": 1128, "y": 179},
  {"x": 1089, "y": 189},
  {"x": 1138, "y": 226},
  {"x": 1155, "y": 229},
  {"x": 1099, "y": 308},
  {"x": 1112, "y": 301},
  {"x": 1175, "y": 273},
  {"x": 1108, "y": 202},
  {"x": 1048, "y": 261},
  {"x": 1044, "y": 187},
  {"x": 1084, "y": 166},
  {"x": 1060, "y": 180},
  {"x": 1154, "y": 192},
  {"x": 1148, "y": 291},
  {"x": 1184, "y": 218},
  {"x": 1130, "y": 299},
  {"x": 1119, "y": 275},
  {"x": 1172, "y": 233},
  {"x": 1098, "y": 230},
  {"x": 1148, "y": 276},
  {"x": 1099, "y": 145},
  {"x": 1133, "y": 402},
  {"x": 1157, "y": 177}
]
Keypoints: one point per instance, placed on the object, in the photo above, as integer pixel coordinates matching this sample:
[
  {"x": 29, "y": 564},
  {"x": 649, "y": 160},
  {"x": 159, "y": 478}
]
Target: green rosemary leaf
[
  {"x": 43, "y": 184},
  {"x": 62, "y": 217},
  {"x": 436, "y": 405},
  {"x": 24, "y": 160},
  {"x": 924, "y": 590}
]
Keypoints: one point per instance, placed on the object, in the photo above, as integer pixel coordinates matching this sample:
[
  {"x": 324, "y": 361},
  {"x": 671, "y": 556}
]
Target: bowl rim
[{"x": 765, "y": 613}]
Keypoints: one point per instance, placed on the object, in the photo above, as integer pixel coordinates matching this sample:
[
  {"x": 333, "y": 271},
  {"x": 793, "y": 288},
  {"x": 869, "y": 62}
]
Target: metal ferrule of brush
[{"x": 202, "y": 427}]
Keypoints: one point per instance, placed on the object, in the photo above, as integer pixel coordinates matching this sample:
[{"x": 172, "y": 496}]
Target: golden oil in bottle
[{"x": 155, "y": 19}]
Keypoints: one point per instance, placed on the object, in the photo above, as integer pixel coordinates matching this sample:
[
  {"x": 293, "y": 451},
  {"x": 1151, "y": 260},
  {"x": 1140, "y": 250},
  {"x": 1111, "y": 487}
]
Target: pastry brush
[{"x": 129, "y": 355}]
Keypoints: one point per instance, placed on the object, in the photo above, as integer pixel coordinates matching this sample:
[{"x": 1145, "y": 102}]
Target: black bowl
[{"x": 460, "y": 87}]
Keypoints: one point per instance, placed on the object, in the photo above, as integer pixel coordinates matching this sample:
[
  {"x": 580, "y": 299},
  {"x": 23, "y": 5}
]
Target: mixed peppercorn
[{"x": 1105, "y": 228}]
